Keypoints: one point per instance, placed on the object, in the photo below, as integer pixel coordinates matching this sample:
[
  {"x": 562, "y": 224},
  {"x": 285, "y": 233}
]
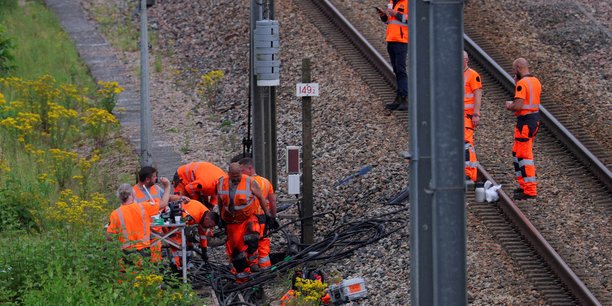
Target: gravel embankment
[{"x": 352, "y": 130}]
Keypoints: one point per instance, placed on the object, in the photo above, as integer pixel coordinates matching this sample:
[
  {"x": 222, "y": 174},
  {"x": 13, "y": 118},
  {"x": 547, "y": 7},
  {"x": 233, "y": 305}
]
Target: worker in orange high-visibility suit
[
  {"x": 132, "y": 220},
  {"x": 146, "y": 191},
  {"x": 237, "y": 193},
  {"x": 396, "y": 18},
  {"x": 197, "y": 216},
  {"x": 471, "y": 116},
  {"x": 526, "y": 106},
  {"x": 248, "y": 168},
  {"x": 198, "y": 180}
]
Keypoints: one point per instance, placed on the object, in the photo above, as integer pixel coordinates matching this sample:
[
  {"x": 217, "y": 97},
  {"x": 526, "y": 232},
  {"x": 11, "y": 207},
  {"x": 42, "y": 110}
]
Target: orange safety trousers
[
  {"x": 471, "y": 162},
  {"x": 176, "y": 252},
  {"x": 526, "y": 129},
  {"x": 156, "y": 248},
  {"x": 242, "y": 245},
  {"x": 263, "y": 249}
]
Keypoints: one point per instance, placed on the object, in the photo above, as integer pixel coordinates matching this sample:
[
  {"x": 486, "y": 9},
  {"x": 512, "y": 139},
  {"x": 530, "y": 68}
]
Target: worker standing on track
[
  {"x": 526, "y": 107},
  {"x": 198, "y": 180},
  {"x": 131, "y": 222},
  {"x": 471, "y": 116},
  {"x": 396, "y": 18},
  {"x": 248, "y": 168},
  {"x": 237, "y": 193}
]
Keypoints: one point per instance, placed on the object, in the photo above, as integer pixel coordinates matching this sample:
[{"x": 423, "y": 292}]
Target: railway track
[{"x": 553, "y": 277}]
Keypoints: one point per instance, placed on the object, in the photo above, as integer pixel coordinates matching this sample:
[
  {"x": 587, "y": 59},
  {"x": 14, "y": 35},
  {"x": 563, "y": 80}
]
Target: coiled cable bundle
[{"x": 339, "y": 243}]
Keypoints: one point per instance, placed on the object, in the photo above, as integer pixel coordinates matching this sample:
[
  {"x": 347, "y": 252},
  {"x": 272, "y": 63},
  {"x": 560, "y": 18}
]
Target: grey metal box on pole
[{"x": 267, "y": 44}]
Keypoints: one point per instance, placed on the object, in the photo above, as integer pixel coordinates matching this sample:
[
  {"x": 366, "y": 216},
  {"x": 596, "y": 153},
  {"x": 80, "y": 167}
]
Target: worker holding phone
[{"x": 396, "y": 18}]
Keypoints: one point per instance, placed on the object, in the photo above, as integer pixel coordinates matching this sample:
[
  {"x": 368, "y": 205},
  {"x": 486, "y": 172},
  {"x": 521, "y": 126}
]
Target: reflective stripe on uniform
[
  {"x": 531, "y": 105},
  {"x": 525, "y": 162},
  {"x": 220, "y": 190},
  {"x": 466, "y": 74},
  {"x": 264, "y": 259},
  {"x": 471, "y": 164},
  {"x": 147, "y": 195},
  {"x": 394, "y": 21},
  {"x": 246, "y": 192},
  {"x": 146, "y": 237},
  {"x": 529, "y": 179},
  {"x": 189, "y": 172},
  {"x": 518, "y": 173}
]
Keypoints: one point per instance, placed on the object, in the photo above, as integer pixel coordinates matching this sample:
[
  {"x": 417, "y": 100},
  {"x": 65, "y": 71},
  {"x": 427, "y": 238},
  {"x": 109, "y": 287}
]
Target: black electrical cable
[{"x": 339, "y": 243}]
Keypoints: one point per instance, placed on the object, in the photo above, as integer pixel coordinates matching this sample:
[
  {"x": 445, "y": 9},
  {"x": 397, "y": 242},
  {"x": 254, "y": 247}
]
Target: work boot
[
  {"x": 469, "y": 184},
  {"x": 518, "y": 190},
  {"x": 403, "y": 104},
  {"x": 394, "y": 105},
  {"x": 522, "y": 196}
]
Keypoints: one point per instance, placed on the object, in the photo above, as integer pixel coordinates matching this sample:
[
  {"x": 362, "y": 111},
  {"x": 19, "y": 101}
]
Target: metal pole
[
  {"x": 273, "y": 136},
  {"x": 421, "y": 267},
  {"x": 307, "y": 196},
  {"x": 258, "y": 101},
  {"x": 184, "y": 252},
  {"x": 448, "y": 178},
  {"x": 145, "y": 108}
]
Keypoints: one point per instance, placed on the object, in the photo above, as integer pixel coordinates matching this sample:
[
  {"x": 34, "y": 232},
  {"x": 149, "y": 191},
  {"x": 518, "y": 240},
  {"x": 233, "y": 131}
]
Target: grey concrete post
[
  {"x": 145, "y": 108},
  {"x": 448, "y": 178}
]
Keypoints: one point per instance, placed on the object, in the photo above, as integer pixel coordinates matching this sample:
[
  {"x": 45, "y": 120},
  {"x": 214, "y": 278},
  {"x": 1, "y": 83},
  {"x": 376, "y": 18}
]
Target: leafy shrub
[
  {"x": 208, "y": 87},
  {"x": 64, "y": 268},
  {"x": 7, "y": 46},
  {"x": 17, "y": 203},
  {"x": 108, "y": 94}
]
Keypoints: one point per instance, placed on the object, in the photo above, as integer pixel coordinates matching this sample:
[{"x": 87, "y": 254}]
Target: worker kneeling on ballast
[{"x": 200, "y": 221}]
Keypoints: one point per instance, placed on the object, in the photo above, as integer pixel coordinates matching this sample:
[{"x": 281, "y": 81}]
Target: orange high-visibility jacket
[
  {"x": 529, "y": 89},
  {"x": 143, "y": 194},
  {"x": 200, "y": 177},
  {"x": 397, "y": 29},
  {"x": 132, "y": 222},
  {"x": 244, "y": 201},
  {"x": 196, "y": 210},
  {"x": 471, "y": 82},
  {"x": 266, "y": 189}
]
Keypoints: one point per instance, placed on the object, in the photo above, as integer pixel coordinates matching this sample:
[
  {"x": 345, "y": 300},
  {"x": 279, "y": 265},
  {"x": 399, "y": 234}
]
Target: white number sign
[{"x": 307, "y": 89}]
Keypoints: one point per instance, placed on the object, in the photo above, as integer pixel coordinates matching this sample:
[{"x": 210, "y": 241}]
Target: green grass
[
  {"x": 116, "y": 25},
  {"x": 42, "y": 46}
]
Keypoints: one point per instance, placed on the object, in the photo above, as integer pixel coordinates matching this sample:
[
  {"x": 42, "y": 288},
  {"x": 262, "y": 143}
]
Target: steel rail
[{"x": 539, "y": 243}]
